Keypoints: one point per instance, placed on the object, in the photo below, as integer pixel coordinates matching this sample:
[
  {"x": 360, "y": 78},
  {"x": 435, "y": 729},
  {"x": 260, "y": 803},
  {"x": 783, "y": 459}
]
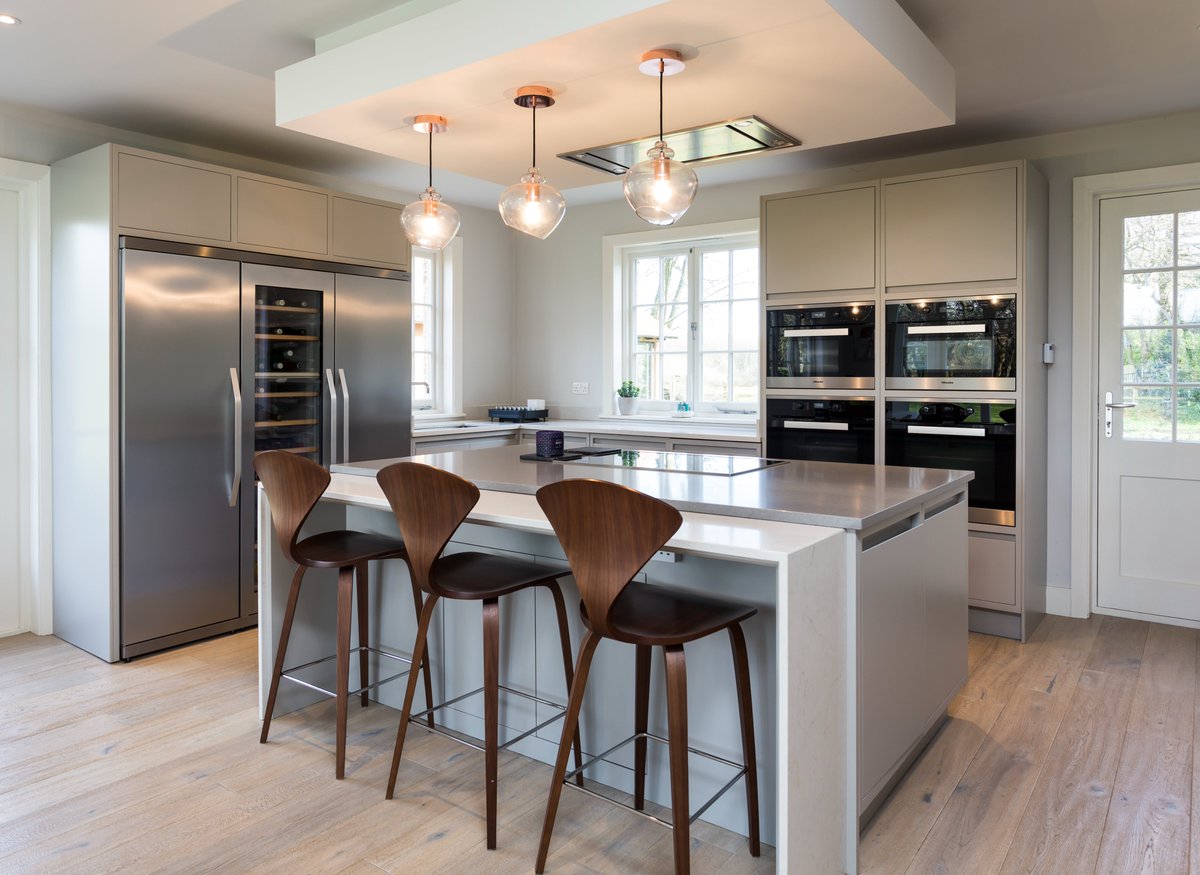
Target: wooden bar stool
[
  {"x": 294, "y": 485},
  {"x": 430, "y": 504},
  {"x": 608, "y": 533}
]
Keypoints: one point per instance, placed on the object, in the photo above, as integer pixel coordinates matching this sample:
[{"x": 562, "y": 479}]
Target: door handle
[
  {"x": 813, "y": 425},
  {"x": 955, "y": 431},
  {"x": 817, "y": 332},
  {"x": 1109, "y": 407},
  {"x": 236, "y": 487},
  {"x": 345, "y": 416},
  {"x": 333, "y": 416}
]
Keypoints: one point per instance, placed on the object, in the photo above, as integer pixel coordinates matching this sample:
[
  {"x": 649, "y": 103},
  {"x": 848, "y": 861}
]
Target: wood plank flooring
[{"x": 1074, "y": 753}]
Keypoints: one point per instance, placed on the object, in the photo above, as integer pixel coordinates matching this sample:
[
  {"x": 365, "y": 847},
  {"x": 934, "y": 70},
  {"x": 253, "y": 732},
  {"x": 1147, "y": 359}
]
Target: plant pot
[{"x": 627, "y": 406}]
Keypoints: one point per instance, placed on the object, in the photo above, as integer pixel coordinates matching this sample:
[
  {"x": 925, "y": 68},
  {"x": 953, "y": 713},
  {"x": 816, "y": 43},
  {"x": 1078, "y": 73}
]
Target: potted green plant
[{"x": 627, "y": 398}]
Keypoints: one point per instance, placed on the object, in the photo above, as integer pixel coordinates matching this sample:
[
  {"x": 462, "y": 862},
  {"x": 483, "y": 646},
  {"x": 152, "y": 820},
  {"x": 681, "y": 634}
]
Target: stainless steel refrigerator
[{"x": 222, "y": 357}]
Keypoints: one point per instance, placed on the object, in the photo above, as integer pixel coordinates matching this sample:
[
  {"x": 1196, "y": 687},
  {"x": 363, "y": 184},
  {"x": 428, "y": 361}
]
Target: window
[
  {"x": 436, "y": 330},
  {"x": 691, "y": 323}
]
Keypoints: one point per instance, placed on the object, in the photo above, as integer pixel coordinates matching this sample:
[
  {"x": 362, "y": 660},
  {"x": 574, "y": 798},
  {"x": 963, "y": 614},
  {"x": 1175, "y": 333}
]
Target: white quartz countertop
[
  {"x": 680, "y": 429},
  {"x": 812, "y": 493}
]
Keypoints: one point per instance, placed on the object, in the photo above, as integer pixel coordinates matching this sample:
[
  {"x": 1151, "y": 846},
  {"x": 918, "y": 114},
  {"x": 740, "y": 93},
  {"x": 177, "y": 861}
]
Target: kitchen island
[{"x": 859, "y": 574}]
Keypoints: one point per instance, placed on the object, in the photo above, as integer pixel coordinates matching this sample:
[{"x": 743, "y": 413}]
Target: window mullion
[{"x": 694, "y": 376}]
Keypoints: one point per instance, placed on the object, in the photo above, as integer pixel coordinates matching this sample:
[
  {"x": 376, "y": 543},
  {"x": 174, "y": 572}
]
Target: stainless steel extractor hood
[{"x": 712, "y": 142}]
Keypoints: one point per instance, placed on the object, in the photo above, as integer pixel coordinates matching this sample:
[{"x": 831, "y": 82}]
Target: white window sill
[{"x": 424, "y": 416}]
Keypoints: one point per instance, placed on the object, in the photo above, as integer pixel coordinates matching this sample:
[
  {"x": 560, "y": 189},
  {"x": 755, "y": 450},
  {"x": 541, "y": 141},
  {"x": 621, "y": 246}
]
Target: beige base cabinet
[
  {"x": 171, "y": 198},
  {"x": 956, "y": 233}
]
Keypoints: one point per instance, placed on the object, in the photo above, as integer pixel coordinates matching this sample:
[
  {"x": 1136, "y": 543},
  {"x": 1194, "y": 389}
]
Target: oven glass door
[
  {"x": 821, "y": 429},
  {"x": 979, "y": 436},
  {"x": 962, "y": 344},
  {"x": 829, "y": 347}
]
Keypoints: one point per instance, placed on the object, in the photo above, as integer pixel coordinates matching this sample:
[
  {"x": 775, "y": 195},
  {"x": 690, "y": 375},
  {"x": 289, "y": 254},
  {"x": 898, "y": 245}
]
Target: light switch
[{"x": 579, "y": 388}]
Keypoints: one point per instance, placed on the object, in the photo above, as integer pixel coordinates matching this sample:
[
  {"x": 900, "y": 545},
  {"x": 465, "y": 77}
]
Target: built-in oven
[
  {"x": 979, "y": 436},
  {"x": 821, "y": 429},
  {"x": 827, "y": 346},
  {"x": 962, "y": 344}
]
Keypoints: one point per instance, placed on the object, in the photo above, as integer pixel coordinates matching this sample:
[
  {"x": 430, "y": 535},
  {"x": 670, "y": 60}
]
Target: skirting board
[{"x": 1058, "y": 600}]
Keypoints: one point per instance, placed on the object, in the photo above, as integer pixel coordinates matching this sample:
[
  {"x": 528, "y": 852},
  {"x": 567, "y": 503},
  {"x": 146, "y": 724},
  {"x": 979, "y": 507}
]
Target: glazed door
[{"x": 1148, "y": 482}]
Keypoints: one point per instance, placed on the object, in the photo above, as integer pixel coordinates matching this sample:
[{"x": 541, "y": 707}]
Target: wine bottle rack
[{"x": 288, "y": 407}]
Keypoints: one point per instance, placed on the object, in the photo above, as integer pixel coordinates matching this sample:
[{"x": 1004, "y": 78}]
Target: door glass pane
[
  {"x": 715, "y": 268},
  {"x": 1150, "y": 241},
  {"x": 1187, "y": 416},
  {"x": 714, "y": 326},
  {"x": 745, "y": 324},
  {"x": 1188, "y": 351},
  {"x": 1148, "y": 298},
  {"x": 1189, "y": 238},
  {"x": 716, "y": 376},
  {"x": 1189, "y": 296},
  {"x": 745, "y": 377},
  {"x": 1150, "y": 420},
  {"x": 674, "y": 336},
  {"x": 674, "y": 377},
  {"x": 287, "y": 369},
  {"x": 1147, "y": 355}
]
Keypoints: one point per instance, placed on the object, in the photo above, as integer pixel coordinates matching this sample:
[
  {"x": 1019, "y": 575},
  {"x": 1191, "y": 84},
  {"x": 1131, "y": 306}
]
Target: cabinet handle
[
  {"x": 333, "y": 416},
  {"x": 816, "y": 332},
  {"x": 816, "y": 426},
  {"x": 236, "y": 487},
  {"x": 965, "y": 328},
  {"x": 345, "y": 416},
  {"x": 949, "y": 430}
]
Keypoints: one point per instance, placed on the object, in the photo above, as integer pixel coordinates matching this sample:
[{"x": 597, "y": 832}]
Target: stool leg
[
  {"x": 491, "y": 709},
  {"x": 677, "y": 734},
  {"x": 564, "y": 638},
  {"x": 364, "y": 676},
  {"x": 345, "y": 602},
  {"x": 741, "y": 673},
  {"x": 417, "y": 655},
  {"x": 641, "y": 724},
  {"x": 284, "y": 633},
  {"x": 417, "y": 602},
  {"x": 587, "y": 650}
]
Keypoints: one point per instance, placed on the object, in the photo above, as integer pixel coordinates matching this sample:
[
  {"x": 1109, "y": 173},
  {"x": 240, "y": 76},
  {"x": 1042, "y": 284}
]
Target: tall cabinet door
[
  {"x": 373, "y": 346},
  {"x": 180, "y": 513}
]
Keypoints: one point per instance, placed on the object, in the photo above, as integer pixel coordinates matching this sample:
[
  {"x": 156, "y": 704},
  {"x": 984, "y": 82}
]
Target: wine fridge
[{"x": 221, "y": 358}]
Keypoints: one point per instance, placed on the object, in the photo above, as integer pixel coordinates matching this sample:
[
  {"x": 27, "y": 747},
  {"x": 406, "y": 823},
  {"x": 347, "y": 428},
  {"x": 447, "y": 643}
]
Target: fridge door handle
[
  {"x": 236, "y": 487},
  {"x": 333, "y": 416},
  {"x": 345, "y": 416}
]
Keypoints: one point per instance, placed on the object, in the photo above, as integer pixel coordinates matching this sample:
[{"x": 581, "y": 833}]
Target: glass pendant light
[
  {"x": 531, "y": 205},
  {"x": 429, "y": 222},
  {"x": 660, "y": 189}
]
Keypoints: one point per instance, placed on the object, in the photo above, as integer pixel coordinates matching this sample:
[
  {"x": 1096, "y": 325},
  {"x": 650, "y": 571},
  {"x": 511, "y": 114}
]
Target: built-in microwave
[
  {"x": 965, "y": 343},
  {"x": 821, "y": 429},
  {"x": 826, "y": 346},
  {"x": 978, "y": 435}
]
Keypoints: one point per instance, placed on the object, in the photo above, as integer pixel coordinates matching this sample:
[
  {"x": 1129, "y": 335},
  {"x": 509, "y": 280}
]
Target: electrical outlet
[
  {"x": 579, "y": 388},
  {"x": 665, "y": 556}
]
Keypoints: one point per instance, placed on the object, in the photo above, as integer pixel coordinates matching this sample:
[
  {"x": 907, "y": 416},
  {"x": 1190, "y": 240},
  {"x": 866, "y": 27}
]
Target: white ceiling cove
[{"x": 825, "y": 71}]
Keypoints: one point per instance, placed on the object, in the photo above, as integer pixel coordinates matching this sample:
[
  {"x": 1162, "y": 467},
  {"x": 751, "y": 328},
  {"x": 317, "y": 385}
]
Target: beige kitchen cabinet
[
  {"x": 364, "y": 231},
  {"x": 958, "y": 227},
  {"x": 627, "y": 442},
  {"x": 158, "y": 195},
  {"x": 273, "y": 215},
  {"x": 721, "y": 448},
  {"x": 993, "y": 570},
  {"x": 820, "y": 241}
]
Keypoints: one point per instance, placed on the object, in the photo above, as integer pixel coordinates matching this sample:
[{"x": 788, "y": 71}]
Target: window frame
[
  {"x": 694, "y": 242},
  {"x": 445, "y": 348}
]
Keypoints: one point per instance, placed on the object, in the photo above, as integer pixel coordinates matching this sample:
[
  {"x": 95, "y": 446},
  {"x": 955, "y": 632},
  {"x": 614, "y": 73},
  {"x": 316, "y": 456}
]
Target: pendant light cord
[
  {"x": 534, "y": 156},
  {"x": 662, "y": 66},
  {"x": 431, "y": 154}
]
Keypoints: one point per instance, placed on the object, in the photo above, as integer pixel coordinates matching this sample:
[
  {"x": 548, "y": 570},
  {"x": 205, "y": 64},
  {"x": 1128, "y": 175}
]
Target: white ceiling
[{"x": 202, "y": 72}]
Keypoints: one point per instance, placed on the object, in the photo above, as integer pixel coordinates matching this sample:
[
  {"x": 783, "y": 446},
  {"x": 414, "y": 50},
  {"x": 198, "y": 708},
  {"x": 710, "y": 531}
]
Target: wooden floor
[
  {"x": 1071, "y": 754},
  {"x": 155, "y": 766}
]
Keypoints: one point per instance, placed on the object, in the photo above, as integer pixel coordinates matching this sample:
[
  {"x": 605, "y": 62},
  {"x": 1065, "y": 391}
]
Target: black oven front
[
  {"x": 828, "y": 346},
  {"x": 967, "y": 343},
  {"x": 979, "y": 436},
  {"x": 821, "y": 429}
]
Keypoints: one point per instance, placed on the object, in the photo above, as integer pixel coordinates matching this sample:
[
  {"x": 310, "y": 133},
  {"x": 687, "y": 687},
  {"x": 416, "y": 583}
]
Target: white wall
[
  {"x": 558, "y": 297},
  {"x": 11, "y": 582}
]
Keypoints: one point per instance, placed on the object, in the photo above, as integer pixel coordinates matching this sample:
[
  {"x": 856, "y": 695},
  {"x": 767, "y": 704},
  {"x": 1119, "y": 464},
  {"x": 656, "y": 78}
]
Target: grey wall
[
  {"x": 43, "y": 138},
  {"x": 559, "y": 319}
]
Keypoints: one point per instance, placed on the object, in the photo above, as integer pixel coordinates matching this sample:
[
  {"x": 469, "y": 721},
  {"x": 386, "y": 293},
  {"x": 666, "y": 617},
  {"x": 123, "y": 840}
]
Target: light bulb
[
  {"x": 429, "y": 222},
  {"x": 660, "y": 189},
  {"x": 531, "y": 206}
]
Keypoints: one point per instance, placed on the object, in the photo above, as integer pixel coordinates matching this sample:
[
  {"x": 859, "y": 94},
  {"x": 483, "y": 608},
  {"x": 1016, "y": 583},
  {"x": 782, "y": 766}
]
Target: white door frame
[
  {"x": 1085, "y": 401},
  {"x": 31, "y": 182}
]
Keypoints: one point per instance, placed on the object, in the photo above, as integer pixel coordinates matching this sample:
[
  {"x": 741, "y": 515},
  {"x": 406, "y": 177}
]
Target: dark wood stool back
[
  {"x": 429, "y": 504},
  {"x": 608, "y": 533},
  {"x": 295, "y": 485}
]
